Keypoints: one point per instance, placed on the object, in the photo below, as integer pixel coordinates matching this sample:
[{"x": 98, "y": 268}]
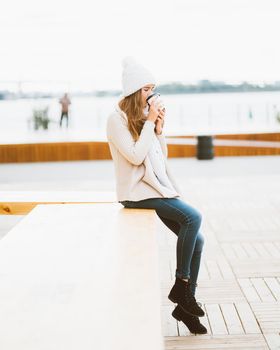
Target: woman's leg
[
  {"x": 196, "y": 258},
  {"x": 195, "y": 263},
  {"x": 189, "y": 220},
  {"x": 61, "y": 118}
]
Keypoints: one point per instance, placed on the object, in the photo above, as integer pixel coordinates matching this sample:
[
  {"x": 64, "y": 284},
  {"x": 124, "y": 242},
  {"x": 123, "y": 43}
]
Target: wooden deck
[{"x": 239, "y": 282}]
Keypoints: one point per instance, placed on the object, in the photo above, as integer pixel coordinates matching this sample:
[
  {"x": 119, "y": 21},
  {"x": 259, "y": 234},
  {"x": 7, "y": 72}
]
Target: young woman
[{"x": 143, "y": 180}]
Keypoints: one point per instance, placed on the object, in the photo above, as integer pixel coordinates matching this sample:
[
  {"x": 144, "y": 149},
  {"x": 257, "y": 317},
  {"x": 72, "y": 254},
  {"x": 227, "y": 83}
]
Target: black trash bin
[{"x": 205, "y": 149}]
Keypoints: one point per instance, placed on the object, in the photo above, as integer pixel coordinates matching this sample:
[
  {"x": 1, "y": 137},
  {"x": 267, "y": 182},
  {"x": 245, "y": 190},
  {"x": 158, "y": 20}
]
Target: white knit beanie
[{"x": 134, "y": 76}]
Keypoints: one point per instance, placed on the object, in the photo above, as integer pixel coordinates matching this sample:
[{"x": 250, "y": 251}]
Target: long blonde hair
[{"x": 132, "y": 106}]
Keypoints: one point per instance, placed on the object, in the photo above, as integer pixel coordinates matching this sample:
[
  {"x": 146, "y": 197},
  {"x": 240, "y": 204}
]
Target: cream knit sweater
[
  {"x": 157, "y": 160},
  {"x": 135, "y": 176}
]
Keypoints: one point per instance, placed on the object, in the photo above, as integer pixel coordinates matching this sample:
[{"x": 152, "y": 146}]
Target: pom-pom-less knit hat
[{"x": 134, "y": 76}]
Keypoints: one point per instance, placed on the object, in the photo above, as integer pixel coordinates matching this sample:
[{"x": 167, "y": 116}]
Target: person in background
[{"x": 65, "y": 102}]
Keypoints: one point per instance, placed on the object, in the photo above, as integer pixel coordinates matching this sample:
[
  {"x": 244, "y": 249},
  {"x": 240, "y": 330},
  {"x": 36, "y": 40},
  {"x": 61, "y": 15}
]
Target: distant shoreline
[{"x": 175, "y": 88}]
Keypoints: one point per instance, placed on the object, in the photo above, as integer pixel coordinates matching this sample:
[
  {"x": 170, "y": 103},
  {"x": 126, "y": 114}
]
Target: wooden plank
[
  {"x": 219, "y": 291},
  {"x": 273, "y": 340},
  {"x": 54, "y": 151},
  {"x": 246, "y": 235},
  {"x": 274, "y": 286},
  {"x": 266, "y": 267},
  {"x": 67, "y": 272},
  {"x": 262, "y": 289},
  {"x": 249, "y": 289},
  {"x": 169, "y": 323},
  {"x": 216, "y": 319},
  {"x": 56, "y": 196},
  {"x": 250, "y": 250},
  {"x": 228, "y": 251},
  {"x": 225, "y": 268},
  {"x": 22, "y": 202},
  {"x": 231, "y": 318},
  {"x": 247, "y": 318},
  {"x": 229, "y": 342},
  {"x": 261, "y": 250},
  {"x": 90, "y": 150},
  {"x": 213, "y": 269},
  {"x": 239, "y": 251},
  {"x": 268, "y": 316},
  {"x": 203, "y": 271},
  {"x": 234, "y": 135},
  {"x": 272, "y": 249}
]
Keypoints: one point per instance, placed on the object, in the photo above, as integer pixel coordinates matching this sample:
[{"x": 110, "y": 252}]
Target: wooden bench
[
  {"x": 81, "y": 276},
  {"x": 22, "y": 202}
]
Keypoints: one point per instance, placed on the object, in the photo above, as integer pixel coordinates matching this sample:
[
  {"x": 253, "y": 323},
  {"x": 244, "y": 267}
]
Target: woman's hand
[{"x": 160, "y": 122}]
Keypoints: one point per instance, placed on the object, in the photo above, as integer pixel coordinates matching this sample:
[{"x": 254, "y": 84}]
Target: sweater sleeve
[
  {"x": 163, "y": 144},
  {"x": 134, "y": 151}
]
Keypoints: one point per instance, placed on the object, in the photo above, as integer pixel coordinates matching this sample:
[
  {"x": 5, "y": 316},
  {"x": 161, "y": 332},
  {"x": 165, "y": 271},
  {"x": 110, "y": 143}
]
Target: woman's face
[{"x": 146, "y": 91}]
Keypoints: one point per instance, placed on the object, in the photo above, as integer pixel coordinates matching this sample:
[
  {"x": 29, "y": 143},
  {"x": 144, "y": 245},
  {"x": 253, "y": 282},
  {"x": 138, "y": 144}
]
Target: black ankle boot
[
  {"x": 192, "y": 322},
  {"x": 181, "y": 293}
]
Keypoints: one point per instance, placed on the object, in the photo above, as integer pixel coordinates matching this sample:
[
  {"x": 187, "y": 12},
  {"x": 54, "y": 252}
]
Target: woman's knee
[
  {"x": 199, "y": 242},
  {"x": 197, "y": 217},
  {"x": 194, "y": 218}
]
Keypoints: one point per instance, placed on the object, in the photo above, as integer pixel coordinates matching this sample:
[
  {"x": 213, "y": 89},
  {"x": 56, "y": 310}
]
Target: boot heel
[
  {"x": 176, "y": 316},
  {"x": 173, "y": 300}
]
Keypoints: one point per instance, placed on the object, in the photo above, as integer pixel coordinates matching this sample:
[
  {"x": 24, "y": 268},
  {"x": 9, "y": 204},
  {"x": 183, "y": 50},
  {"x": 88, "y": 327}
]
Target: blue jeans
[{"x": 185, "y": 222}]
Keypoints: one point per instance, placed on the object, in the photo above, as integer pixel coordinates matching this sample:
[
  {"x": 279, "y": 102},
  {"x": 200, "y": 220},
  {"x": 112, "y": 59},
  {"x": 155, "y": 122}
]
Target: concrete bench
[
  {"x": 22, "y": 202},
  {"x": 81, "y": 277}
]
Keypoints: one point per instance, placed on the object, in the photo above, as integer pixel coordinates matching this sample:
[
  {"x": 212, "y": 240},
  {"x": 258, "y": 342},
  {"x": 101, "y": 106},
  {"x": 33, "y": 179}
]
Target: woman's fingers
[{"x": 162, "y": 114}]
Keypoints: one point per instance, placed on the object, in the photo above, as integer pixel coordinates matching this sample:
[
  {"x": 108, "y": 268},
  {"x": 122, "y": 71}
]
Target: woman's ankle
[{"x": 183, "y": 279}]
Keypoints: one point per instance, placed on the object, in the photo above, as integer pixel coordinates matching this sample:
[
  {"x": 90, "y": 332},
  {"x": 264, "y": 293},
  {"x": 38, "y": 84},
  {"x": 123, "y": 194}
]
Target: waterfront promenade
[{"x": 239, "y": 284}]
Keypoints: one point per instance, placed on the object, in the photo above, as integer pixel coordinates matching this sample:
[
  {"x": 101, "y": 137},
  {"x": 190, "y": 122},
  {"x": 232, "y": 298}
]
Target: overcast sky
[{"x": 84, "y": 41}]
